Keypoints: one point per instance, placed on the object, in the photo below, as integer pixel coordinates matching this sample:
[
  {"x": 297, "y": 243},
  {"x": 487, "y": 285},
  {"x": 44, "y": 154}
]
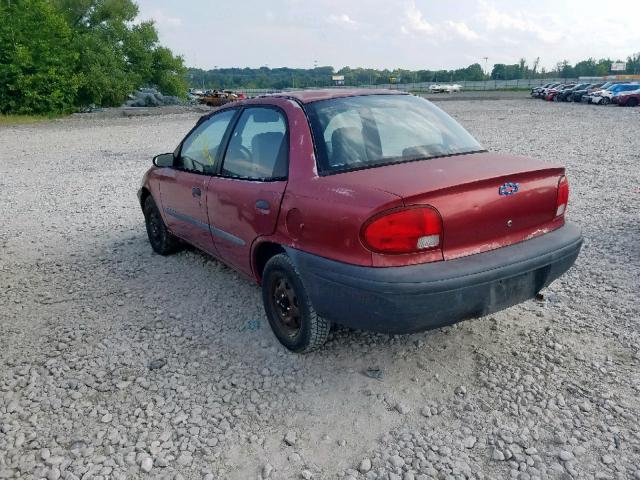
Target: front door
[
  {"x": 244, "y": 200},
  {"x": 184, "y": 189},
  {"x": 183, "y": 200}
]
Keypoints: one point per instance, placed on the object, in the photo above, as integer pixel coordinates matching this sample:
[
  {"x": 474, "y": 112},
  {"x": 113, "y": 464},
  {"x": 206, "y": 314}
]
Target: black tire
[
  {"x": 291, "y": 315},
  {"x": 161, "y": 240},
  {"x": 605, "y": 101},
  {"x": 632, "y": 102}
]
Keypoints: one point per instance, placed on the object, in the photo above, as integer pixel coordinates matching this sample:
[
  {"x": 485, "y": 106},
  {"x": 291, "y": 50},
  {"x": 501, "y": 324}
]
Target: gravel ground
[{"x": 118, "y": 363}]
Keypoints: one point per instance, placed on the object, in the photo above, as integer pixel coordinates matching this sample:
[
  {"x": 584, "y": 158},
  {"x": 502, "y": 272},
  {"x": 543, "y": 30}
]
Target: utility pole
[
  {"x": 485, "y": 72},
  {"x": 315, "y": 79}
]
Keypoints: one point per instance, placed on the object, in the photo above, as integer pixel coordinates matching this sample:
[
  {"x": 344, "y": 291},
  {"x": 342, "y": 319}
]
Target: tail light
[
  {"x": 405, "y": 230},
  {"x": 563, "y": 196}
]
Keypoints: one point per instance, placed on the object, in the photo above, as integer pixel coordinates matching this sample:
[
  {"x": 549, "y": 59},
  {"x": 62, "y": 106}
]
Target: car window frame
[
  {"x": 232, "y": 129},
  {"x": 223, "y": 143}
]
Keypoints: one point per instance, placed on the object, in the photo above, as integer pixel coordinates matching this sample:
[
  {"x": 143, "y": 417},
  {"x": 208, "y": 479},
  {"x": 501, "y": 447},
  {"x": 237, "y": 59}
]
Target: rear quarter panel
[{"x": 322, "y": 215}]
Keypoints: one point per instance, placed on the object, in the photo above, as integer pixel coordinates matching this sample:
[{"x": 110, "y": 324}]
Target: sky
[{"x": 412, "y": 34}]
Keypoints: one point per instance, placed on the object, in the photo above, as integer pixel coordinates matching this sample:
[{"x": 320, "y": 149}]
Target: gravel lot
[{"x": 118, "y": 363}]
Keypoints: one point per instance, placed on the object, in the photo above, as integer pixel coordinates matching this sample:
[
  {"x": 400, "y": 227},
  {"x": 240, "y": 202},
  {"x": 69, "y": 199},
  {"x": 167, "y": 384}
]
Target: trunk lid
[{"x": 486, "y": 200}]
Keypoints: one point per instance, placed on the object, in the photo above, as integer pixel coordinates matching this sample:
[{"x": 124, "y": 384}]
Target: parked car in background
[
  {"x": 536, "y": 90},
  {"x": 628, "y": 99},
  {"x": 566, "y": 95},
  {"x": 604, "y": 97},
  {"x": 453, "y": 88},
  {"x": 442, "y": 88},
  {"x": 540, "y": 92},
  {"x": 552, "y": 93},
  {"x": 578, "y": 94},
  {"x": 544, "y": 92},
  {"x": 596, "y": 91},
  {"x": 371, "y": 209}
]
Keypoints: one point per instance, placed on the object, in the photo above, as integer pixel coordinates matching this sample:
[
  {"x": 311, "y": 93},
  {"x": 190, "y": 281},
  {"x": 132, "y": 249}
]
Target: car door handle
[
  {"x": 196, "y": 192},
  {"x": 263, "y": 205}
]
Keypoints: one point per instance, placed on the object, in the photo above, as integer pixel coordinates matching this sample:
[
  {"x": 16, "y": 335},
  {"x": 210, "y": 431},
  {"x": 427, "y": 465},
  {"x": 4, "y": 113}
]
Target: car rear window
[{"x": 358, "y": 132}]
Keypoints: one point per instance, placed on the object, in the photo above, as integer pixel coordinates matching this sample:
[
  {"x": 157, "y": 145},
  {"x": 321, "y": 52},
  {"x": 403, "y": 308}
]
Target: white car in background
[
  {"x": 605, "y": 97},
  {"x": 453, "y": 88},
  {"x": 441, "y": 88}
]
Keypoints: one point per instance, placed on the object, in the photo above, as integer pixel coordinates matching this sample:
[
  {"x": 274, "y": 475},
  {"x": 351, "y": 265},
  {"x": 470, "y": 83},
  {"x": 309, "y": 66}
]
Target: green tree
[
  {"x": 604, "y": 66},
  {"x": 167, "y": 72},
  {"x": 57, "y": 55},
  {"x": 586, "y": 68},
  {"x": 499, "y": 72},
  {"x": 633, "y": 63},
  {"x": 117, "y": 56},
  {"x": 36, "y": 62},
  {"x": 523, "y": 68}
]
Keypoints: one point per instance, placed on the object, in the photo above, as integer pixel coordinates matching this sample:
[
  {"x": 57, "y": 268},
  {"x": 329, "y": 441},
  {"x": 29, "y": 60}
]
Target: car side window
[
  {"x": 201, "y": 149},
  {"x": 259, "y": 147}
]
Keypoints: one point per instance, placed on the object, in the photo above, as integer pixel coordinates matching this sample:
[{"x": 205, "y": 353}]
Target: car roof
[{"x": 309, "y": 96}]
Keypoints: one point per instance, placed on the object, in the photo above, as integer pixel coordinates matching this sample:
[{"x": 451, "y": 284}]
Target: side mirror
[{"x": 163, "y": 160}]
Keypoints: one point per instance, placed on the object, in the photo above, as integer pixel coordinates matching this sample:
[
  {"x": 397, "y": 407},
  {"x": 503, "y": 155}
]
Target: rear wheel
[
  {"x": 605, "y": 101},
  {"x": 290, "y": 313},
  {"x": 632, "y": 102},
  {"x": 161, "y": 240}
]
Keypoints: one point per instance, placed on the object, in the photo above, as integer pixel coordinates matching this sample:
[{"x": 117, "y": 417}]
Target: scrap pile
[
  {"x": 214, "y": 98},
  {"x": 150, "y": 97}
]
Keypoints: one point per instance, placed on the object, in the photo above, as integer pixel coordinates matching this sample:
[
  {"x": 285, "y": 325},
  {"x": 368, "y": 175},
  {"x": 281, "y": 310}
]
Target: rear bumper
[{"x": 421, "y": 297}]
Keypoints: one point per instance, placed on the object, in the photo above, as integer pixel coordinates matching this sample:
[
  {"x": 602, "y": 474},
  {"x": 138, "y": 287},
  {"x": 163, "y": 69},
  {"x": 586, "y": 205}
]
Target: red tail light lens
[
  {"x": 408, "y": 230},
  {"x": 563, "y": 196}
]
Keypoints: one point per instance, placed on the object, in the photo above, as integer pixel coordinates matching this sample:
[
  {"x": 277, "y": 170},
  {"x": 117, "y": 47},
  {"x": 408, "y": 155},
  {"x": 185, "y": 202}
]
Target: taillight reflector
[
  {"x": 563, "y": 196},
  {"x": 407, "y": 230}
]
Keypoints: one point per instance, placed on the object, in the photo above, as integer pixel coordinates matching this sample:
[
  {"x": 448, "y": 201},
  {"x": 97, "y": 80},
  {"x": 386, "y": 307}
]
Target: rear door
[
  {"x": 244, "y": 199},
  {"x": 183, "y": 190}
]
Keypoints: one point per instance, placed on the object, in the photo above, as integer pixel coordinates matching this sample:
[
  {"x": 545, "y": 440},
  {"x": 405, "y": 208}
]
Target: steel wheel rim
[
  {"x": 155, "y": 231},
  {"x": 284, "y": 303}
]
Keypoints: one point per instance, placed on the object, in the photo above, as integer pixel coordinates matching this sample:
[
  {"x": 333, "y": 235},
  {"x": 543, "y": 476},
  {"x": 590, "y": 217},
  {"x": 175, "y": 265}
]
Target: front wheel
[
  {"x": 605, "y": 101},
  {"x": 161, "y": 240},
  {"x": 290, "y": 313}
]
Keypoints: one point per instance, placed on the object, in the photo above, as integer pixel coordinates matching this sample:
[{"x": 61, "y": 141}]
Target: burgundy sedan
[
  {"x": 371, "y": 209},
  {"x": 628, "y": 99}
]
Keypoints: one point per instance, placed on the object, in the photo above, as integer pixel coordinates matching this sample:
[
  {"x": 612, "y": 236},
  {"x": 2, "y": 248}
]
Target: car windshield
[{"x": 358, "y": 132}]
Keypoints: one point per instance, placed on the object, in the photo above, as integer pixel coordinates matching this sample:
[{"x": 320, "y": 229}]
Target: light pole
[
  {"x": 315, "y": 79},
  {"x": 486, "y": 59}
]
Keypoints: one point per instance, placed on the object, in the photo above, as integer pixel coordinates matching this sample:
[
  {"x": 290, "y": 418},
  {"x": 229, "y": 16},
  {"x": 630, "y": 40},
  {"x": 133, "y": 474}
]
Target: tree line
[
  {"x": 279, "y": 78},
  {"x": 585, "y": 68},
  {"x": 60, "y": 55}
]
